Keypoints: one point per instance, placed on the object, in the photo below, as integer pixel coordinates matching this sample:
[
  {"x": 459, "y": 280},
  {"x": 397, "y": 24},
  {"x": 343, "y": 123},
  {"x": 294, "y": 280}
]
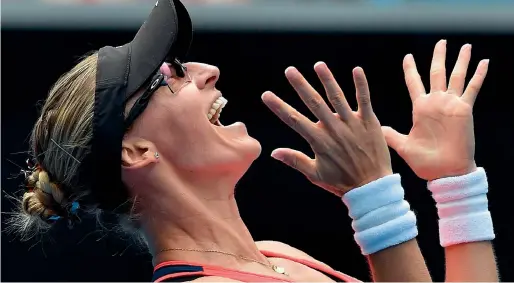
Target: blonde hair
[{"x": 59, "y": 142}]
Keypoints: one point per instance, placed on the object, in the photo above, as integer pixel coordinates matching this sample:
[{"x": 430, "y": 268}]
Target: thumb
[
  {"x": 394, "y": 139},
  {"x": 297, "y": 160}
]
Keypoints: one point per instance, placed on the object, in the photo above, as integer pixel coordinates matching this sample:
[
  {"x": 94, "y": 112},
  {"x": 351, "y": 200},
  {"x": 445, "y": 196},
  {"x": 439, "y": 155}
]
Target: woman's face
[{"x": 178, "y": 125}]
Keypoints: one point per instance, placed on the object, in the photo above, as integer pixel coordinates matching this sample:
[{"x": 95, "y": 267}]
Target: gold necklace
[{"x": 276, "y": 268}]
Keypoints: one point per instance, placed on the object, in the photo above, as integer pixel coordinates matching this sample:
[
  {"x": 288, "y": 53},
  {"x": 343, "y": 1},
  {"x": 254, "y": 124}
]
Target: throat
[{"x": 206, "y": 237}]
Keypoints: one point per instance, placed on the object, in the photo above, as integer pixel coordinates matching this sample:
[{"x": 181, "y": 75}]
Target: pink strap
[
  {"x": 312, "y": 265},
  {"x": 218, "y": 271}
]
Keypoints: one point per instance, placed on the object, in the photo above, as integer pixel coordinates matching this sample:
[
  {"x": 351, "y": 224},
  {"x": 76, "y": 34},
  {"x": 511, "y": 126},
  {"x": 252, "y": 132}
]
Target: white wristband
[
  {"x": 381, "y": 216},
  {"x": 462, "y": 207}
]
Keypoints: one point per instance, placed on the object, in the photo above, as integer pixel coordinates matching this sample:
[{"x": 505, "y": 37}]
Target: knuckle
[
  {"x": 473, "y": 88},
  {"x": 371, "y": 123},
  {"x": 294, "y": 162},
  {"x": 293, "y": 120},
  {"x": 314, "y": 102},
  {"x": 436, "y": 71},
  {"x": 364, "y": 99},
  {"x": 336, "y": 99}
]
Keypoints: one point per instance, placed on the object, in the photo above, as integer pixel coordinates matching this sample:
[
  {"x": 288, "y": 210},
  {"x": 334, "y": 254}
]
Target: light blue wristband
[{"x": 381, "y": 216}]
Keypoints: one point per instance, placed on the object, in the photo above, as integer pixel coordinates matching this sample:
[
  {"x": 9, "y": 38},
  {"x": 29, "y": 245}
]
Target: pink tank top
[{"x": 180, "y": 271}]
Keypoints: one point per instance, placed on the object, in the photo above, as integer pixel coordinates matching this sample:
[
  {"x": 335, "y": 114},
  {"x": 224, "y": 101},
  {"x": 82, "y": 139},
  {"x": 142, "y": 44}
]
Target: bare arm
[
  {"x": 350, "y": 155},
  {"x": 441, "y": 144},
  {"x": 399, "y": 263},
  {"x": 471, "y": 262}
]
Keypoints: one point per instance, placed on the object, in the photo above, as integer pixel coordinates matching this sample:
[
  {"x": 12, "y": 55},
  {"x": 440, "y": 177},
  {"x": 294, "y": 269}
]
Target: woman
[{"x": 174, "y": 183}]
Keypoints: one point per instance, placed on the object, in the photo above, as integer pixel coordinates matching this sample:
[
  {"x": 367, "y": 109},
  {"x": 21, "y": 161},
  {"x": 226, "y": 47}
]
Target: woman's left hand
[{"x": 349, "y": 147}]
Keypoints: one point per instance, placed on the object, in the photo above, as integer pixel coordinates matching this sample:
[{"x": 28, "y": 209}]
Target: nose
[{"x": 204, "y": 76}]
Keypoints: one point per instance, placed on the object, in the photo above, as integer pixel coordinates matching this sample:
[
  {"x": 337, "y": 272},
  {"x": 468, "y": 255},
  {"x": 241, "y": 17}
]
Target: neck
[{"x": 200, "y": 216}]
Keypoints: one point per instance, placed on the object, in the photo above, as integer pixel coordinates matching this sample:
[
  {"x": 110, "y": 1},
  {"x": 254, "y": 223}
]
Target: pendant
[{"x": 279, "y": 269}]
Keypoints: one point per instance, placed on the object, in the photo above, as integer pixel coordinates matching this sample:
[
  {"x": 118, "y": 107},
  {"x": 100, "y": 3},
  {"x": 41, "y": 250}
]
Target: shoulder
[{"x": 287, "y": 250}]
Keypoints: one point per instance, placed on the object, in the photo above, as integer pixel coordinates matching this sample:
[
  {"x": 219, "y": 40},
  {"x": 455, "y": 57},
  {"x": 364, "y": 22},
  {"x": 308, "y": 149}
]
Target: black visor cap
[{"x": 121, "y": 71}]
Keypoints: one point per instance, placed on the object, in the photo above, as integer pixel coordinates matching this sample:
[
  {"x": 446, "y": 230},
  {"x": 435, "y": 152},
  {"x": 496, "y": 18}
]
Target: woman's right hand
[
  {"x": 349, "y": 147},
  {"x": 441, "y": 142}
]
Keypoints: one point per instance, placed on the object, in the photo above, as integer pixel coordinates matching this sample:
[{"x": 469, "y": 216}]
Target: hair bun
[{"x": 45, "y": 198}]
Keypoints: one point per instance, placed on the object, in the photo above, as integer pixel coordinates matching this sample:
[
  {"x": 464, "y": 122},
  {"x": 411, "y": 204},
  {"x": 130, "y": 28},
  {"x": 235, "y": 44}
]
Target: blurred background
[{"x": 252, "y": 42}]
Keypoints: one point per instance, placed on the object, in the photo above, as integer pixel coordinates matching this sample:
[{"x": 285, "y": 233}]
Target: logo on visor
[{"x": 156, "y": 3}]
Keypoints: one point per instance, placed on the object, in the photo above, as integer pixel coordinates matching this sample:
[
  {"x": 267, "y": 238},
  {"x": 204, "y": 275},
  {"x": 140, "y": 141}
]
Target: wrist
[
  {"x": 381, "y": 216},
  {"x": 374, "y": 177},
  {"x": 472, "y": 167}
]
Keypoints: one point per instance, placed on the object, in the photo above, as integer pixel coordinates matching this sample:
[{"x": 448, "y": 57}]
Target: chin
[
  {"x": 254, "y": 148},
  {"x": 248, "y": 151}
]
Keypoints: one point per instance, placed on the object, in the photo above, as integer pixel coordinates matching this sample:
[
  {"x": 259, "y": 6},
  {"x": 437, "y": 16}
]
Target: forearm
[
  {"x": 465, "y": 227},
  {"x": 385, "y": 229},
  {"x": 471, "y": 262},
  {"x": 400, "y": 263}
]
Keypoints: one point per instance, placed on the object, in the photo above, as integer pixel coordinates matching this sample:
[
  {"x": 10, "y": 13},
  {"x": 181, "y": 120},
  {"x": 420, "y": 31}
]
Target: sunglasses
[{"x": 157, "y": 81}]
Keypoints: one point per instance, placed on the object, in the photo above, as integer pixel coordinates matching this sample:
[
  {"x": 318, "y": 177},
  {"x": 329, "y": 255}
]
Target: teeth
[
  {"x": 223, "y": 100},
  {"x": 216, "y": 107}
]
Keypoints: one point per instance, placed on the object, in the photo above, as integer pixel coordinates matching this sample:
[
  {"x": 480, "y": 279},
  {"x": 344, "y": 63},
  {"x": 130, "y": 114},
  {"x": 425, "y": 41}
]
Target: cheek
[
  {"x": 177, "y": 109},
  {"x": 179, "y": 129}
]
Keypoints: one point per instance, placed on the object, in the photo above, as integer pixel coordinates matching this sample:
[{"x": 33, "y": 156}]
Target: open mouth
[{"x": 215, "y": 111}]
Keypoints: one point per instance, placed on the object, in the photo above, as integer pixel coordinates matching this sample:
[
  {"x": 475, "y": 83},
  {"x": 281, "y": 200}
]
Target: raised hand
[
  {"x": 349, "y": 147},
  {"x": 441, "y": 142}
]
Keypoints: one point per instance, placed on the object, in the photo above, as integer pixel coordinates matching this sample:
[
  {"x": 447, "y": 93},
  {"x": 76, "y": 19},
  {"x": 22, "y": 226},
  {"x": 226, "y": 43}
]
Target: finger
[
  {"x": 363, "y": 98},
  {"x": 334, "y": 92},
  {"x": 438, "y": 69},
  {"x": 294, "y": 119},
  {"x": 471, "y": 92},
  {"x": 394, "y": 139},
  {"x": 309, "y": 95},
  {"x": 412, "y": 78},
  {"x": 458, "y": 76},
  {"x": 297, "y": 160}
]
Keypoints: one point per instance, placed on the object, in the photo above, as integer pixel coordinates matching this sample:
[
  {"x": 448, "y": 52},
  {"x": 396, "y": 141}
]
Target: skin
[
  {"x": 181, "y": 210},
  {"x": 343, "y": 161},
  {"x": 441, "y": 143}
]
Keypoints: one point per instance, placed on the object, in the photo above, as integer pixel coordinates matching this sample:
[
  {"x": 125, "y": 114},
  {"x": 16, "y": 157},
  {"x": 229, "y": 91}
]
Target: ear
[{"x": 137, "y": 154}]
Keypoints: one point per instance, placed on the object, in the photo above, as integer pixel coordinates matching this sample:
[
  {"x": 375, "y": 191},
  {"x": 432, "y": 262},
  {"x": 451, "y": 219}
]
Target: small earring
[{"x": 156, "y": 155}]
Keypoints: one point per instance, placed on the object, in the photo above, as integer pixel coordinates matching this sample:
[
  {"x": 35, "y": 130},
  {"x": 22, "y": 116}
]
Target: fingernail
[
  {"x": 486, "y": 61},
  {"x": 319, "y": 64},
  {"x": 277, "y": 156},
  {"x": 290, "y": 69},
  {"x": 357, "y": 70}
]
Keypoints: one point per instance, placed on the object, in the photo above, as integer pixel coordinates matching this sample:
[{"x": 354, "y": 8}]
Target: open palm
[{"x": 441, "y": 142}]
